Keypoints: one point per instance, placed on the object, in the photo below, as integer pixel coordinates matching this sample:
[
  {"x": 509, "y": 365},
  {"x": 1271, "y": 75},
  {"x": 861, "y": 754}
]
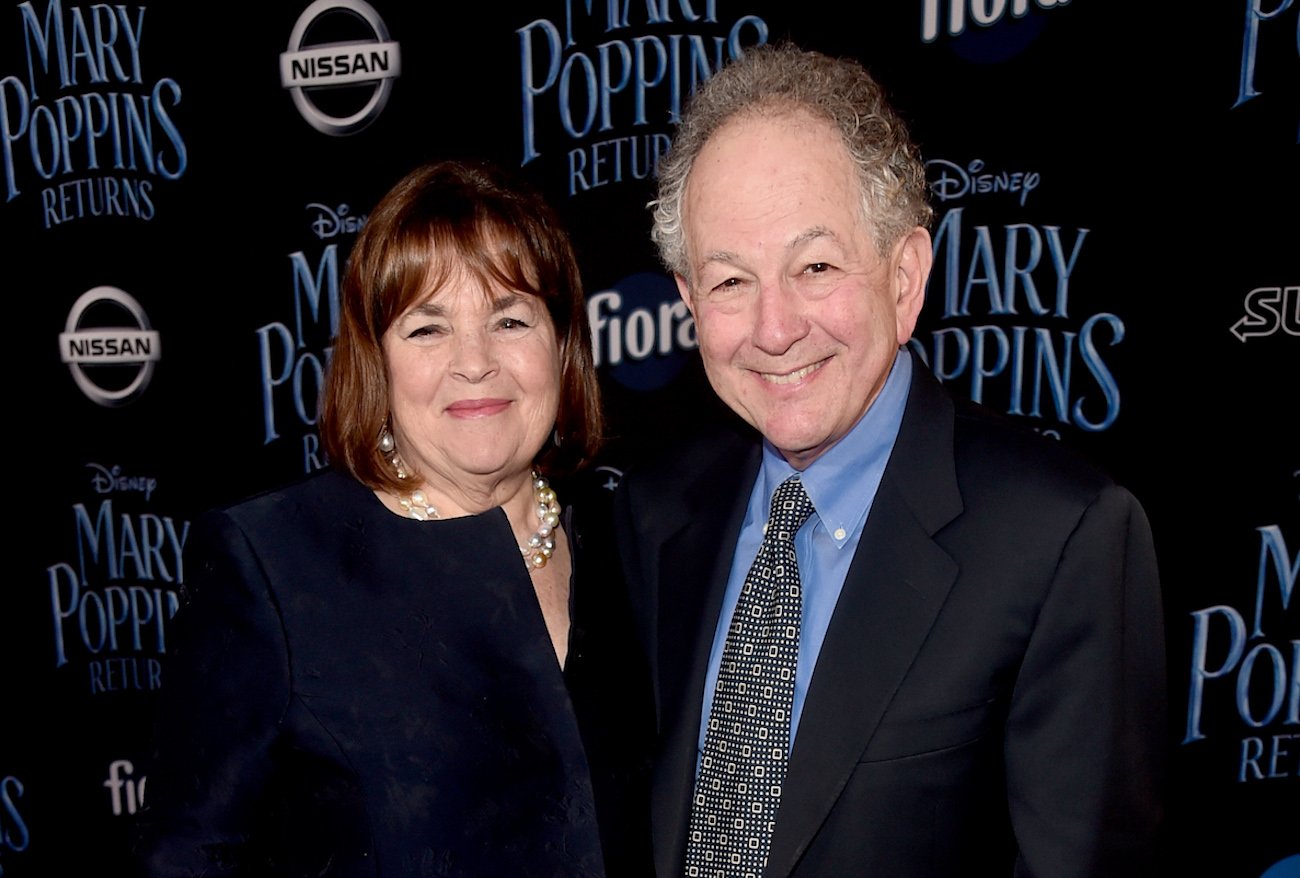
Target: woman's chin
[{"x": 477, "y": 468}]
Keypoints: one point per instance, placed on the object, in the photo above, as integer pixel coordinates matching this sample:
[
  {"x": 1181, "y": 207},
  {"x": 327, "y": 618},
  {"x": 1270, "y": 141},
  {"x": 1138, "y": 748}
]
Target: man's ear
[
  {"x": 911, "y": 260},
  {"x": 684, "y": 290}
]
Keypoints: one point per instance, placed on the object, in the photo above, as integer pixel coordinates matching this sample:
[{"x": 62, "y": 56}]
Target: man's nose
[{"x": 779, "y": 321}]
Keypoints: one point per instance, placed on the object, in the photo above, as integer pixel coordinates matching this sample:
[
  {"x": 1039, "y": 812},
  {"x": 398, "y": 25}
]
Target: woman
[{"x": 386, "y": 669}]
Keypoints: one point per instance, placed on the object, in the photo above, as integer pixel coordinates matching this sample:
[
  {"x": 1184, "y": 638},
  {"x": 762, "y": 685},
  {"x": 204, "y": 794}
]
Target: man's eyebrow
[
  {"x": 726, "y": 256},
  {"x": 811, "y": 235}
]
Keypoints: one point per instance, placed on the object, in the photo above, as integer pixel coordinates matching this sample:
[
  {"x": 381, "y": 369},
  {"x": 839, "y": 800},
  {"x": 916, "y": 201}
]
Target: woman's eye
[
  {"x": 512, "y": 323},
  {"x": 422, "y": 331},
  {"x": 818, "y": 267}
]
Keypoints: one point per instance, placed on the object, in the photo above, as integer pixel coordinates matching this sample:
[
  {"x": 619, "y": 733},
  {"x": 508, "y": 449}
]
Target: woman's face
[{"x": 474, "y": 379}]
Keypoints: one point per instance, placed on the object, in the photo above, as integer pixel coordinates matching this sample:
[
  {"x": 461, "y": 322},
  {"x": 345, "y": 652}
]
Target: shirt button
[{"x": 840, "y": 533}]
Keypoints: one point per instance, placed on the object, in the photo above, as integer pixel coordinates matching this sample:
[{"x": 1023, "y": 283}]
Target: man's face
[{"x": 798, "y": 316}]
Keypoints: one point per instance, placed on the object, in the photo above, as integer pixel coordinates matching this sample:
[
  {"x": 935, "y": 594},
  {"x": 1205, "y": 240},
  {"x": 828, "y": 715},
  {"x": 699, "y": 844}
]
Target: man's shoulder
[{"x": 1000, "y": 457}]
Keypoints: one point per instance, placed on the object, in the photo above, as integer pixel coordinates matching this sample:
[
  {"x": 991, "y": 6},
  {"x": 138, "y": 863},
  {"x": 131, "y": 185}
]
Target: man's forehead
[{"x": 796, "y": 242}]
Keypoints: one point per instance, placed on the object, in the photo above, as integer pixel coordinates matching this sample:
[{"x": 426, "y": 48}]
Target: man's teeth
[{"x": 797, "y": 375}]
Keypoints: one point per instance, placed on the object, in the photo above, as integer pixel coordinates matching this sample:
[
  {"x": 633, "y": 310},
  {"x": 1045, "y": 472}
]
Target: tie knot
[{"x": 790, "y": 509}]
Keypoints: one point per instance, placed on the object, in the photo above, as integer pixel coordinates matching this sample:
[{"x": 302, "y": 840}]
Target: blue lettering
[
  {"x": 1255, "y": 14},
  {"x": 13, "y": 830}
]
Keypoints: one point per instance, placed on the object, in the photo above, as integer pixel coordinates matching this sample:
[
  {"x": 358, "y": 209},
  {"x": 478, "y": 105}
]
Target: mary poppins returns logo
[
  {"x": 1009, "y": 334},
  {"x": 83, "y": 123},
  {"x": 1244, "y": 674},
  {"x": 116, "y": 590},
  {"x": 600, "y": 77}
]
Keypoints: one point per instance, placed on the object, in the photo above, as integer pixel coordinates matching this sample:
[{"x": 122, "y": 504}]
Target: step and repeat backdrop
[{"x": 1117, "y": 264}]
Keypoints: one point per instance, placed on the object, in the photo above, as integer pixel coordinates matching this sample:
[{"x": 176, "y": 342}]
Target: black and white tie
[{"x": 747, "y": 742}]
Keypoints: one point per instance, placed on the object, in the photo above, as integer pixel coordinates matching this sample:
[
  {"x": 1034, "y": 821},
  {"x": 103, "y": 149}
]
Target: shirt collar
[{"x": 842, "y": 482}]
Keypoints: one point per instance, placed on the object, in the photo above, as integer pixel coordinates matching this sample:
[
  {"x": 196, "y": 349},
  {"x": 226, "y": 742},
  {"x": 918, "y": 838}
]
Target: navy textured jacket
[{"x": 354, "y": 693}]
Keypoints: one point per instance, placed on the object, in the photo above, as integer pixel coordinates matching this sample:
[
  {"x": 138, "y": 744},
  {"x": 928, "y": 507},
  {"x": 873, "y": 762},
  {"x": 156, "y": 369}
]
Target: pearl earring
[{"x": 388, "y": 447}]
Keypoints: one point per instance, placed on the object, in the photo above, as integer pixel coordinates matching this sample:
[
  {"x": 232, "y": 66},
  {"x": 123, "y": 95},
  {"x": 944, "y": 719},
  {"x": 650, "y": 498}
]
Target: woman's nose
[{"x": 472, "y": 357}]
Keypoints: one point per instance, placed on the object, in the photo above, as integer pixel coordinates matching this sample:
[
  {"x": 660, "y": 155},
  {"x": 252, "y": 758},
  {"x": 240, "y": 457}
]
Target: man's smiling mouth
[{"x": 791, "y": 377}]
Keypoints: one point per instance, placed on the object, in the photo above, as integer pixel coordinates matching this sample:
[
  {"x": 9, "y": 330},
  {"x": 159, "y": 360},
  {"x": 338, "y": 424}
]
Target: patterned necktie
[{"x": 747, "y": 742}]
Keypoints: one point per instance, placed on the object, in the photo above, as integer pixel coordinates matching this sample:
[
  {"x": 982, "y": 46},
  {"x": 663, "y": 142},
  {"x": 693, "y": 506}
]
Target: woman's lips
[{"x": 477, "y": 408}]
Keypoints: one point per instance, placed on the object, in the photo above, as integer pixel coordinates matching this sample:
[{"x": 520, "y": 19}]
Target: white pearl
[{"x": 539, "y": 547}]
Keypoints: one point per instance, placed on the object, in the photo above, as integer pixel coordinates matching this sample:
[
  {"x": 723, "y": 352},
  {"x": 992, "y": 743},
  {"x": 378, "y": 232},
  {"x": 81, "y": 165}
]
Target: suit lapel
[
  {"x": 895, "y": 587},
  {"x": 694, "y": 564}
]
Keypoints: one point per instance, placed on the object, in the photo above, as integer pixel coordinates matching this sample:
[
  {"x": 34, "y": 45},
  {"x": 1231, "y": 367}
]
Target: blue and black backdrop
[{"x": 1117, "y": 264}]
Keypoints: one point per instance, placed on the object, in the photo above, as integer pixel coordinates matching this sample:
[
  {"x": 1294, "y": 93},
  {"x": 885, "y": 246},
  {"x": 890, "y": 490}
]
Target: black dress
[{"x": 354, "y": 693}]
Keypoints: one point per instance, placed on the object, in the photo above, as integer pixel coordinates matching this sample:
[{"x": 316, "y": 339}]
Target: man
[{"x": 965, "y": 675}]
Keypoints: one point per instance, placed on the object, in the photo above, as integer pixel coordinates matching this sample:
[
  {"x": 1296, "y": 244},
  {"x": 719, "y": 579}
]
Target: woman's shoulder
[
  {"x": 319, "y": 490},
  {"x": 311, "y": 511}
]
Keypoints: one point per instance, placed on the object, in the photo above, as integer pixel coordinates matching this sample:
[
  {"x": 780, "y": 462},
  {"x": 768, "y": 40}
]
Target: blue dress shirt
[{"x": 842, "y": 485}]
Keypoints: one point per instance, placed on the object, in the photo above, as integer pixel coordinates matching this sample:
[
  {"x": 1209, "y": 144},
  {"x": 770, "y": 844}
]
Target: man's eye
[
  {"x": 818, "y": 267},
  {"x": 729, "y": 283}
]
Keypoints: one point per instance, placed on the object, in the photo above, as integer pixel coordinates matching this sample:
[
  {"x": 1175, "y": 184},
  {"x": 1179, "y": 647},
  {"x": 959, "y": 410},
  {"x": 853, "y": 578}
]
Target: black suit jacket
[
  {"x": 989, "y": 698},
  {"x": 351, "y": 693}
]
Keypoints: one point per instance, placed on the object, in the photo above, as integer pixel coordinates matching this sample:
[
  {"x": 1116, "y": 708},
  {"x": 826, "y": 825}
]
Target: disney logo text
[
  {"x": 953, "y": 181},
  {"x": 330, "y": 222},
  {"x": 106, "y": 481}
]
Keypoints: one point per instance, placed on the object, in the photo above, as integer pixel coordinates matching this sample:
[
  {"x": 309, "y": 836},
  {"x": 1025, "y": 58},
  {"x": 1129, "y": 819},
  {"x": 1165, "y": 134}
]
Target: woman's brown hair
[{"x": 441, "y": 219}]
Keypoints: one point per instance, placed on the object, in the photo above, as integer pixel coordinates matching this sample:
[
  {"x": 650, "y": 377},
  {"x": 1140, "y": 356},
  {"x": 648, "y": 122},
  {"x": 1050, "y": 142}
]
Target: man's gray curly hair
[{"x": 774, "y": 80}]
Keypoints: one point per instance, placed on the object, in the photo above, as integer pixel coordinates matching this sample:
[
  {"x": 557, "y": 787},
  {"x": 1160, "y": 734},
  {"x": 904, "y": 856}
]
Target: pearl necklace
[{"x": 540, "y": 546}]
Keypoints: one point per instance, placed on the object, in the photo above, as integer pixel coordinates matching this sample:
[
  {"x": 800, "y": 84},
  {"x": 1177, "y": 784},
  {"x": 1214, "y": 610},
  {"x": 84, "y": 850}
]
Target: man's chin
[{"x": 798, "y": 447}]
